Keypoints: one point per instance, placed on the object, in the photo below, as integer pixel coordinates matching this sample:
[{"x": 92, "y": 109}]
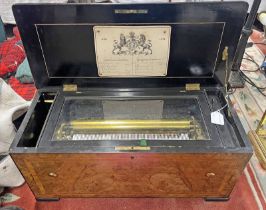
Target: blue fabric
[
  {"x": 23, "y": 73},
  {"x": 2, "y": 31}
]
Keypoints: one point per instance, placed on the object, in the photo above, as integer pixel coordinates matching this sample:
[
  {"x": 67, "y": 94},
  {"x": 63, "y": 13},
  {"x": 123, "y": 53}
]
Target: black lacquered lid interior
[{"x": 60, "y": 46}]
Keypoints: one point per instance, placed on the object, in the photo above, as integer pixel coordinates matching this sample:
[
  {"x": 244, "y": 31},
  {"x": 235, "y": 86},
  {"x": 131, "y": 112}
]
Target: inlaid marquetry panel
[{"x": 131, "y": 175}]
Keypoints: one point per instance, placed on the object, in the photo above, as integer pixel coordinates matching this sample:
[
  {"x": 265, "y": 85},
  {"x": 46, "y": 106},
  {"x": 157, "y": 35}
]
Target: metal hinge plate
[
  {"x": 70, "y": 87},
  {"x": 192, "y": 86},
  {"x": 225, "y": 54}
]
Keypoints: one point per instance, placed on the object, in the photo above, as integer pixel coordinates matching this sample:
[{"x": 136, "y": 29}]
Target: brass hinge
[
  {"x": 70, "y": 87},
  {"x": 192, "y": 86},
  {"x": 225, "y": 54}
]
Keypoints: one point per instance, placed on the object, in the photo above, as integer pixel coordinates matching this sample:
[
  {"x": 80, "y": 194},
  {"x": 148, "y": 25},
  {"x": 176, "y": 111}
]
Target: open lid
[{"x": 160, "y": 45}]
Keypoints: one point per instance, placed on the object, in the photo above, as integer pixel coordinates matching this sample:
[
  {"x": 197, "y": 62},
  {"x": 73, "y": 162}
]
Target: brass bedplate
[
  {"x": 258, "y": 140},
  {"x": 130, "y": 130}
]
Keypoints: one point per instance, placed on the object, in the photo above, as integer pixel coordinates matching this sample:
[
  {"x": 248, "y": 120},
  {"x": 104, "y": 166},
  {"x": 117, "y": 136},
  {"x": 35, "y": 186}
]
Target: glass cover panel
[{"x": 154, "y": 119}]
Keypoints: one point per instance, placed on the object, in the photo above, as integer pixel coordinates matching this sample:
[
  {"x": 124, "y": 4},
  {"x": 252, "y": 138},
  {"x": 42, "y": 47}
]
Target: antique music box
[{"x": 132, "y": 100}]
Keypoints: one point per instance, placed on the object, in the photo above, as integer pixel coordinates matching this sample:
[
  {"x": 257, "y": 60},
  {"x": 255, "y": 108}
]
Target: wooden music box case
[{"x": 132, "y": 100}]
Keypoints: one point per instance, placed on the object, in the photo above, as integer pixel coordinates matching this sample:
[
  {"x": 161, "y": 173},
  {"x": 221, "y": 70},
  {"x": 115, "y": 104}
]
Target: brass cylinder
[{"x": 130, "y": 124}]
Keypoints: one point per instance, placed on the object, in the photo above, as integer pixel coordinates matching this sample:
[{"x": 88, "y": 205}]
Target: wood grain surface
[{"x": 131, "y": 174}]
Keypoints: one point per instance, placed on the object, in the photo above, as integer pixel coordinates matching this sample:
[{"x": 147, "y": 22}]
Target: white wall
[{"x": 262, "y": 5}]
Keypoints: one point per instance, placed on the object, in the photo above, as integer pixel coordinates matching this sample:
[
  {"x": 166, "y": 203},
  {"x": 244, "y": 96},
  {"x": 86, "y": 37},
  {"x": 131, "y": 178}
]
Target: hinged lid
[{"x": 130, "y": 45}]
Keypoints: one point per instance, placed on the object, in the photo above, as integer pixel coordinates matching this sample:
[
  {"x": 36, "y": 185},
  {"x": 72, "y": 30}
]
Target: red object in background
[
  {"x": 6, "y": 46},
  {"x": 11, "y": 54},
  {"x": 257, "y": 37},
  {"x": 16, "y": 33},
  {"x": 26, "y": 91}
]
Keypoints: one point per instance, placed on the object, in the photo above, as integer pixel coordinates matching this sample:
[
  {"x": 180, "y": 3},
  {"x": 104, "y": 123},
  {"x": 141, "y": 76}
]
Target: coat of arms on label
[{"x": 132, "y": 44}]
